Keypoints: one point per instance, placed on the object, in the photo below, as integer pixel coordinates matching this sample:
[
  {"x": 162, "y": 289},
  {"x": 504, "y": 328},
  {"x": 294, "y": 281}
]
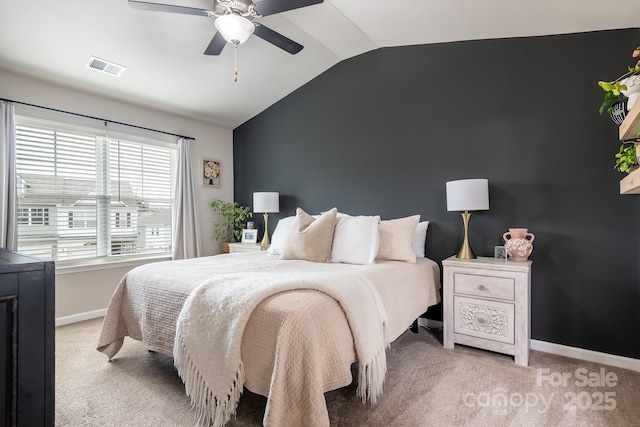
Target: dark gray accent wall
[{"x": 383, "y": 132}]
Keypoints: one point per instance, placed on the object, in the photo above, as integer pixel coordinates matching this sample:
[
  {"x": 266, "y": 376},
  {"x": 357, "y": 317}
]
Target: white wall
[{"x": 86, "y": 291}]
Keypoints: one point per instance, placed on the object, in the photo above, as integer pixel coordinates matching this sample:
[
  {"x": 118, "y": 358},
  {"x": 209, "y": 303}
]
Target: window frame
[{"x": 125, "y": 221}]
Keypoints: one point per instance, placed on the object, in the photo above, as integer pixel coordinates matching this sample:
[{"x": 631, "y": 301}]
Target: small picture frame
[
  {"x": 500, "y": 253},
  {"x": 210, "y": 172},
  {"x": 249, "y": 236}
]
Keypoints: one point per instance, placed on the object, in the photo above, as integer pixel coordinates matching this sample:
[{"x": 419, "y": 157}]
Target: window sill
[{"x": 104, "y": 264}]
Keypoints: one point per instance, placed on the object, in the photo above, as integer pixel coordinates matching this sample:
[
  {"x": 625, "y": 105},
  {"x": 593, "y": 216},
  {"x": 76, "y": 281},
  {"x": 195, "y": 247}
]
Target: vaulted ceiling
[{"x": 166, "y": 68}]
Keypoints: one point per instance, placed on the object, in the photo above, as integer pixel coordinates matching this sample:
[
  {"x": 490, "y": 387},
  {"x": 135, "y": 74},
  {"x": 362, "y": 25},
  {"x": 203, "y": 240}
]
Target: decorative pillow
[
  {"x": 280, "y": 235},
  {"x": 310, "y": 239},
  {"x": 355, "y": 240},
  {"x": 420, "y": 238},
  {"x": 396, "y": 239}
]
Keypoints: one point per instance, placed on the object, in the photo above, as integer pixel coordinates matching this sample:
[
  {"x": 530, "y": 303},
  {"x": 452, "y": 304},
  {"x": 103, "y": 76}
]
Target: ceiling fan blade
[
  {"x": 216, "y": 45},
  {"x": 269, "y": 7},
  {"x": 277, "y": 39},
  {"x": 157, "y": 7}
]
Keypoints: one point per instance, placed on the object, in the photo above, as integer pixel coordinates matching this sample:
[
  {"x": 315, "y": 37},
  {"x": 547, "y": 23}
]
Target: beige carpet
[{"x": 426, "y": 385}]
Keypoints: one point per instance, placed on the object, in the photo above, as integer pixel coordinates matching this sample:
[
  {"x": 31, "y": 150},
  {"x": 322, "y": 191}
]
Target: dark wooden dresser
[{"x": 27, "y": 328}]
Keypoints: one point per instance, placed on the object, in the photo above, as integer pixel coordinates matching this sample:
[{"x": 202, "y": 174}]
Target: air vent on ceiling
[{"x": 105, "y": 66}]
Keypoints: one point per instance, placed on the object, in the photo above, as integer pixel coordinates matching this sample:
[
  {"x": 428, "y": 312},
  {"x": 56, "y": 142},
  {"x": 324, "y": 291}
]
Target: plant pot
[
  {"x": 225, "y": 247},
  {"x": 618, "y": 112},
  {"x": 633, "y": 90}
]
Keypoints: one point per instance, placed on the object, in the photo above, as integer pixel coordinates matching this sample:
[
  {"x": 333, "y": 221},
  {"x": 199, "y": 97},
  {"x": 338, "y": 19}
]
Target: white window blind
[{"x": 83, "y": 195}]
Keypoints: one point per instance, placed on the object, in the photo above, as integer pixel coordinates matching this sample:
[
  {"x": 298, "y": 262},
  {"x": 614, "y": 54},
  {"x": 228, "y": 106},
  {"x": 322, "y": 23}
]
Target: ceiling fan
[{"x": 234, "y": 20}]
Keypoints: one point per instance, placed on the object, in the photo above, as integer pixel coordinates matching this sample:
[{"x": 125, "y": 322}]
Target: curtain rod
[{"x": 96, "y": 118}]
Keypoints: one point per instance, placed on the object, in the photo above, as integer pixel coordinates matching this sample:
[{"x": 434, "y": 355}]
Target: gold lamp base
[
  {"x": 265, "y": 238},
  {"x": 465, "y": 251}
]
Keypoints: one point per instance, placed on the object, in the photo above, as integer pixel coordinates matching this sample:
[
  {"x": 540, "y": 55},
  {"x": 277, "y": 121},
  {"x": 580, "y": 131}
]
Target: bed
[{"x": 298, "y": 342}]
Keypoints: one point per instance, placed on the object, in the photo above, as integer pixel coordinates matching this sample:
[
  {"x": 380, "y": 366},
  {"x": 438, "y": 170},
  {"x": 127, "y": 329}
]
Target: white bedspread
[{"x": 296, "y": 345}]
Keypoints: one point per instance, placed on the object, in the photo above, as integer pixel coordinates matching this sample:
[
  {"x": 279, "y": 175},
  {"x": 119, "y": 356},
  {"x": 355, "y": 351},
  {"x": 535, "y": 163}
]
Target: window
[
  {"x": 33, "y": 216},
  {"x": 82, "y": 195}
]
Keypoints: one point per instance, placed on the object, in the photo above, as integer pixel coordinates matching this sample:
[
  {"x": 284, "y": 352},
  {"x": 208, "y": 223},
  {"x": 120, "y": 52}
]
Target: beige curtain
[{"x": 186, "y": 231}]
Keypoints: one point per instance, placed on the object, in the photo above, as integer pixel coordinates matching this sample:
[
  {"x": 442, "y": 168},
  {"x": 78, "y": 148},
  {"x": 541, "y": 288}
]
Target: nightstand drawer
[
  {"x": 490, "y": 320},
  {"x": 484, "y": 286}
]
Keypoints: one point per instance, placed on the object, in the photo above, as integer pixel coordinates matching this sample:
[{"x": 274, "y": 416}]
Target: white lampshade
[
  {"x": 235, "y": 29},
  {"x": 468, "y": 195},
  {"x": 266, "y": 202}
]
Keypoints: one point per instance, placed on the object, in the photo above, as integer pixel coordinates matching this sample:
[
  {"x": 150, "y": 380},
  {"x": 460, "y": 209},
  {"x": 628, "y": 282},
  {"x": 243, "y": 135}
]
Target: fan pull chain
[{"x": 235, "y": 62}]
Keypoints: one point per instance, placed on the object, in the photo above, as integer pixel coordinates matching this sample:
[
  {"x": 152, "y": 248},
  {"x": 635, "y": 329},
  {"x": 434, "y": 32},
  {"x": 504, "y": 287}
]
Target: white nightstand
[
  {"x": 487, "y": 304},
  {"x": 247, "y": 247}
]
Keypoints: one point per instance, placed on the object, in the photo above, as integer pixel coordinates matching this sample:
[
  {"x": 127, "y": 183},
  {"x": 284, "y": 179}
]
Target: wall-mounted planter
[{"x": 619, "y": 112}]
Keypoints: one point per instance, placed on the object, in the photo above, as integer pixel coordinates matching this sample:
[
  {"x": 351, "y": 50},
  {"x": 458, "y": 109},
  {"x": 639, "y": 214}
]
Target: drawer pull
[{"x": 481, "y": 287}]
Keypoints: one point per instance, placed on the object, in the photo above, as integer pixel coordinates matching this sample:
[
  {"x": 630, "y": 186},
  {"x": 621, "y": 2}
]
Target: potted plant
[
  {"x": 625, "y": 87},
  {"x": 627, "y": 158},
  {"x": 615, "y": 106},
  {"x": 232, "y": 219}
]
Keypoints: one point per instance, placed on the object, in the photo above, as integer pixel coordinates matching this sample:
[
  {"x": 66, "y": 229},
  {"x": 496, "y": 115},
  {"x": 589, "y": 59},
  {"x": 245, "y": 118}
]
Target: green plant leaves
[
  {"x": 232, "y": 218},
  {"x": 615, "y": 87},
  {"x": 610, "y": 99},
  {"x": 626, "y": 158}
]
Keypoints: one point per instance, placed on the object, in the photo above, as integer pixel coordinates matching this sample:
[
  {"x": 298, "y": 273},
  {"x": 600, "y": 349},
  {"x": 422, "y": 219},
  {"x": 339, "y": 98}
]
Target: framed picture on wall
[
  {"x": 249, "y": 236},
  {"x": 210, "y": 173}
]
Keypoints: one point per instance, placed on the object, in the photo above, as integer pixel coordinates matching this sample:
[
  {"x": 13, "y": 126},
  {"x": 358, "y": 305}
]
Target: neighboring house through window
[{"x": 33, "y": 216}]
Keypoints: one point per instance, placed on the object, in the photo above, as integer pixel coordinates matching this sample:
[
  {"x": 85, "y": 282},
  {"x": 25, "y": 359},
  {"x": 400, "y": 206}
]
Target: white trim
[
  {"x": 75, "y": 318},
  {"x": 111, "y": 262},
  {"x": 587, "y": 355},
  {"x": 563, "y": 350}
]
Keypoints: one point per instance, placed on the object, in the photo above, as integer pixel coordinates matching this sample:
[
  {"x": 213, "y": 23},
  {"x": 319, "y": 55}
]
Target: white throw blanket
[{"x": 207, "y": 351}]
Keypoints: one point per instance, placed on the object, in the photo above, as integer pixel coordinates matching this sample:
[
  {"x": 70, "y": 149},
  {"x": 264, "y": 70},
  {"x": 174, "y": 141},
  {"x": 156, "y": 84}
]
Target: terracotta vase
[{"x": 518, "y": 243}]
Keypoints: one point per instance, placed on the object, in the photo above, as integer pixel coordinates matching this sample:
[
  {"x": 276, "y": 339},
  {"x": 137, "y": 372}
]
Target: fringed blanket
[
  {"x": 207, "y": 350},
  {"x": 297, "y": 345}
]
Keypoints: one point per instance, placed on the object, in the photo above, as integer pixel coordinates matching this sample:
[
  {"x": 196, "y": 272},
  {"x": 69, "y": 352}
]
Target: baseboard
[
  {"x": 563, "y": 350},
  {"x": 74, "y": 318},
  {"x": 587, "y": 355}
]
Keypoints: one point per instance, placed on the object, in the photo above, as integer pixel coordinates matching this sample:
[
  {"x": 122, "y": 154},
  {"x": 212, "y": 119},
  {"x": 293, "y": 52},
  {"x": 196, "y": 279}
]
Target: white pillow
[
  {"x": 280, "y": 235},
  {"x": 355, "y": 240},
  {"x": 420, "y": 238},
  {"x": 338, "y": 215},
  {"x": 396, "y": 239}
]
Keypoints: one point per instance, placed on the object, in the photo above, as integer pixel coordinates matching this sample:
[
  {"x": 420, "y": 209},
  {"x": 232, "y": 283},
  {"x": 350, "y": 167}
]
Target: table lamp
[
  {"x": 467, "y": 195},
  {"x": 266, "y": 202}
]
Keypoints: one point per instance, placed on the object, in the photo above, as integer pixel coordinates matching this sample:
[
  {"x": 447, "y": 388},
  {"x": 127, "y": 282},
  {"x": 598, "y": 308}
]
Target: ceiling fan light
[{"x": 235, "y": 29}]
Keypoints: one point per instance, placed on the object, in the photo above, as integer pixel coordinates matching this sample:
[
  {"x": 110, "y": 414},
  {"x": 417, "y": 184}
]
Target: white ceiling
[{"x": 166, "y": 69}]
